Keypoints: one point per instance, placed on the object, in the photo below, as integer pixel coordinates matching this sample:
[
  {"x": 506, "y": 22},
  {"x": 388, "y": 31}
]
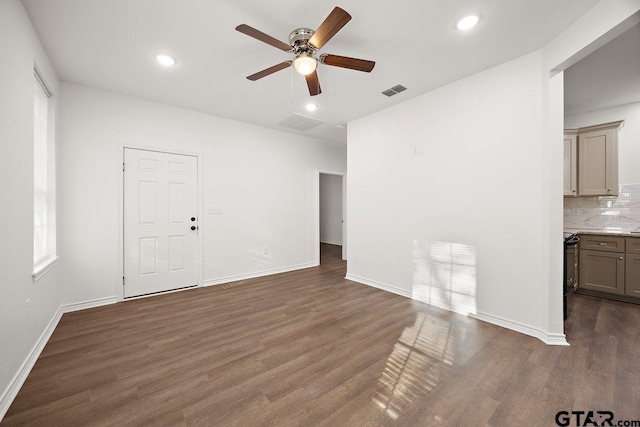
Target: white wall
[
  {"x": 331, "y": 209},
  {"x": 263, "y": 180},
  {"x": 491, "y": 173},
  {"x": 477, "y": 186},
  {"x": 19, "y": 50},
  {"x": 628, "y": 137}
]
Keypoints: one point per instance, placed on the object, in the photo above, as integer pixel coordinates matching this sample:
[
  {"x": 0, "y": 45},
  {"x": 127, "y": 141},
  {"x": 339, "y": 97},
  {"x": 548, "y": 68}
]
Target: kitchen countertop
[{"x": 605, "y": 231}]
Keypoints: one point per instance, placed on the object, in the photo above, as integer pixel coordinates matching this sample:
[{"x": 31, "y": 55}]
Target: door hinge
[
  {"x": 122, "y": 166},
  {"x": 122, "y": 280}
]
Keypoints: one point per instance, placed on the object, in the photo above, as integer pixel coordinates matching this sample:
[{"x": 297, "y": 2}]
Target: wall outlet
[
  {"x": 265, "y": 251},
  {"x": 27, "y": 308}
]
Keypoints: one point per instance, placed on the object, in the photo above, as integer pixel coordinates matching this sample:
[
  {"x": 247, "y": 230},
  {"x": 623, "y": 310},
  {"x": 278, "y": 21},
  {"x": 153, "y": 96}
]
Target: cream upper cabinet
[
  {"x": 570, "y": 162},
  {"x": 598, "y": 160}
]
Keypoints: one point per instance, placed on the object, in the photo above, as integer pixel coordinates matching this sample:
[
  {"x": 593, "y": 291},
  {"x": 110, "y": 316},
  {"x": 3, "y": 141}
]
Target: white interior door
[{"x": 160, "y": 222}]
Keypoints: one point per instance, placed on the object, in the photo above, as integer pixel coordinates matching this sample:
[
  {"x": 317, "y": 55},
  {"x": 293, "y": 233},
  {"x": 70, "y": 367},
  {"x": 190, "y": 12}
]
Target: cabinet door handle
[
  {"x": 620, "y": 258},
  {"x": 603, "y": 244}
]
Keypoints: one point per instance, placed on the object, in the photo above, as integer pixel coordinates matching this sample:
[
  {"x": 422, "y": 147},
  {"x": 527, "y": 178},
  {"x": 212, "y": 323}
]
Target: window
[{"x": 44, "y": 221}]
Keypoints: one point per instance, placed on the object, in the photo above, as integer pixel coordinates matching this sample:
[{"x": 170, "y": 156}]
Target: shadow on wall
[{"x": 444, "y": 275}]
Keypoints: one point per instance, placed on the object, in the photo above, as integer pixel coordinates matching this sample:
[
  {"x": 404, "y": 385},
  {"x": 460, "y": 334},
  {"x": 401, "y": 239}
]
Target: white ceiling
[
  {"x": 111, "y": 45},
  {"x": 608, "y": 77}
]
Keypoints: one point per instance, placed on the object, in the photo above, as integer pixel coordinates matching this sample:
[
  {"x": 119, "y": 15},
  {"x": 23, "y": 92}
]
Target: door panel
[
  {"x": 177, "y": 253},
  {"x": 570, "y": 165},
  {"x": 602, "y": 271},
  {"x": 633, "y": 275},
  {"x": 177, "y": 203},
  {"x": 160, "y": 198}
]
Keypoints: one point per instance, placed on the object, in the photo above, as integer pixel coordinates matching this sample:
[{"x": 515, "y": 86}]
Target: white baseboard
[
  {"x": 545, "y": 337},
  {"x": 21, "y": 376},
  {"x": 379, "y": 285},
  {"x": 331, "y": 242},
  {"x": 99, "y": 302},
  {"x": 227, "y": 279}
]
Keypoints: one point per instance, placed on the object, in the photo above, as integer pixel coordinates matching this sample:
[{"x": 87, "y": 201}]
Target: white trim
[
  {"x": 98, "y": 302},
  {"x": 545, "y": 337},
  {"x": 44, "y": 268},
  {"x": 235, "y": 278},
  {"x": 21, "y": 376},
  {"x": 18, "y": 380},
  {"x": 379, "y": 285}
]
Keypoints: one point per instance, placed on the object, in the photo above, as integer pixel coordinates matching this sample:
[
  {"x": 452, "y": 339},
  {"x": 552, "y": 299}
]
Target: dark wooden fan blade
[
  {"x": 337, "y": 19},
  {"x": 270, "y": 70},
  {"x": 259, "y": 35},
  {"x": 313, "y": 83},
  {"x": 347, "y": 62}
]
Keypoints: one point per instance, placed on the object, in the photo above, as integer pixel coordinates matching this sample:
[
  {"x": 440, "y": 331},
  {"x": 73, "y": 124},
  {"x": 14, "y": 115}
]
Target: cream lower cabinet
[
  {"x": 610, "y": 265},
  {"x": 602, "y": 271},
  {"x": 632, "y": 276},
  {"x": 633, "y": 268}
]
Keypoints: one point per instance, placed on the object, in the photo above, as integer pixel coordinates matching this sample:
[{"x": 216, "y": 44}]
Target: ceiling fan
[{"x": 305, "y": 43}]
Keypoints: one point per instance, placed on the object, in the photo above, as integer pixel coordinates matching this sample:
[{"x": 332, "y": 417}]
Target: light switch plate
[{"x": 214, "y": 210}]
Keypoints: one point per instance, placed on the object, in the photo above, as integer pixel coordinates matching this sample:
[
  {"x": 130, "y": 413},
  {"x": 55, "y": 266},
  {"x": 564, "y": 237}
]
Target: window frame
[{"x": 49, "y": 258}]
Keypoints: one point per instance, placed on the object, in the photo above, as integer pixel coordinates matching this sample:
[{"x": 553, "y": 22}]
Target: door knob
[
  {"x": 193, "y": 218},
  {"x": 193, "y": 227}
]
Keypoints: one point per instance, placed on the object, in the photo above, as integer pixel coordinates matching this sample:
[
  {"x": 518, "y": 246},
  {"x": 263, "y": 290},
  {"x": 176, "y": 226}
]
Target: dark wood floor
[{"x": 310, "y": 348}]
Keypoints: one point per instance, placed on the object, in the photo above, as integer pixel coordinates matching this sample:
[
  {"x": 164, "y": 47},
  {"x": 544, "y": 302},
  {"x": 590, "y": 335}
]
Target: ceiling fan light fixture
[{"x": 305, "y": 64}]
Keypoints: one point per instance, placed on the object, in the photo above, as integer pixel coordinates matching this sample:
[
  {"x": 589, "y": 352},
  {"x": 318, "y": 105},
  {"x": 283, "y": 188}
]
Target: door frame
[
  {"x": 316, "y": 249},
  {"x": 120, "y": 240}
]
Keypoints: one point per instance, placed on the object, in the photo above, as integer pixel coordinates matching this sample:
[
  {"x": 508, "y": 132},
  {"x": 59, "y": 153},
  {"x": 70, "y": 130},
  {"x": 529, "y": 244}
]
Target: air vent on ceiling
[
  {"x": 394, "y": 90},
  {"x": 300, "y": 122}
]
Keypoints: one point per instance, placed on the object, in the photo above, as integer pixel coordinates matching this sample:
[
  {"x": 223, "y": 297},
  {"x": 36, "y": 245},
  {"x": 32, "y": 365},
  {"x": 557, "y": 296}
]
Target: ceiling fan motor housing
[{"x": 299, "y": 40}]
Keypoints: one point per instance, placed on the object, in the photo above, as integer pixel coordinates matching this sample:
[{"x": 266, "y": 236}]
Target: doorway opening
[
  {"x": 331, "y": 227},
  {"x": 598, "y": 90}
]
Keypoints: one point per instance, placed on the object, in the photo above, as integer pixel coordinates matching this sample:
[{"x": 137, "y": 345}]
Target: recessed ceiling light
[
  {"x": 311, "y": 106},
  {"x": 165, "y": 60},
  {"x": 467, "y": 22}
]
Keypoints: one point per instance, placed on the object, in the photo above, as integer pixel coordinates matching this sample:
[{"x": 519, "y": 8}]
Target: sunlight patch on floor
[{"x": 420, "y": 359}]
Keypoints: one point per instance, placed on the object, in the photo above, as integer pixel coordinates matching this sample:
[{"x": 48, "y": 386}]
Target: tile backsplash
[{"x": 615, "y": 213}]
